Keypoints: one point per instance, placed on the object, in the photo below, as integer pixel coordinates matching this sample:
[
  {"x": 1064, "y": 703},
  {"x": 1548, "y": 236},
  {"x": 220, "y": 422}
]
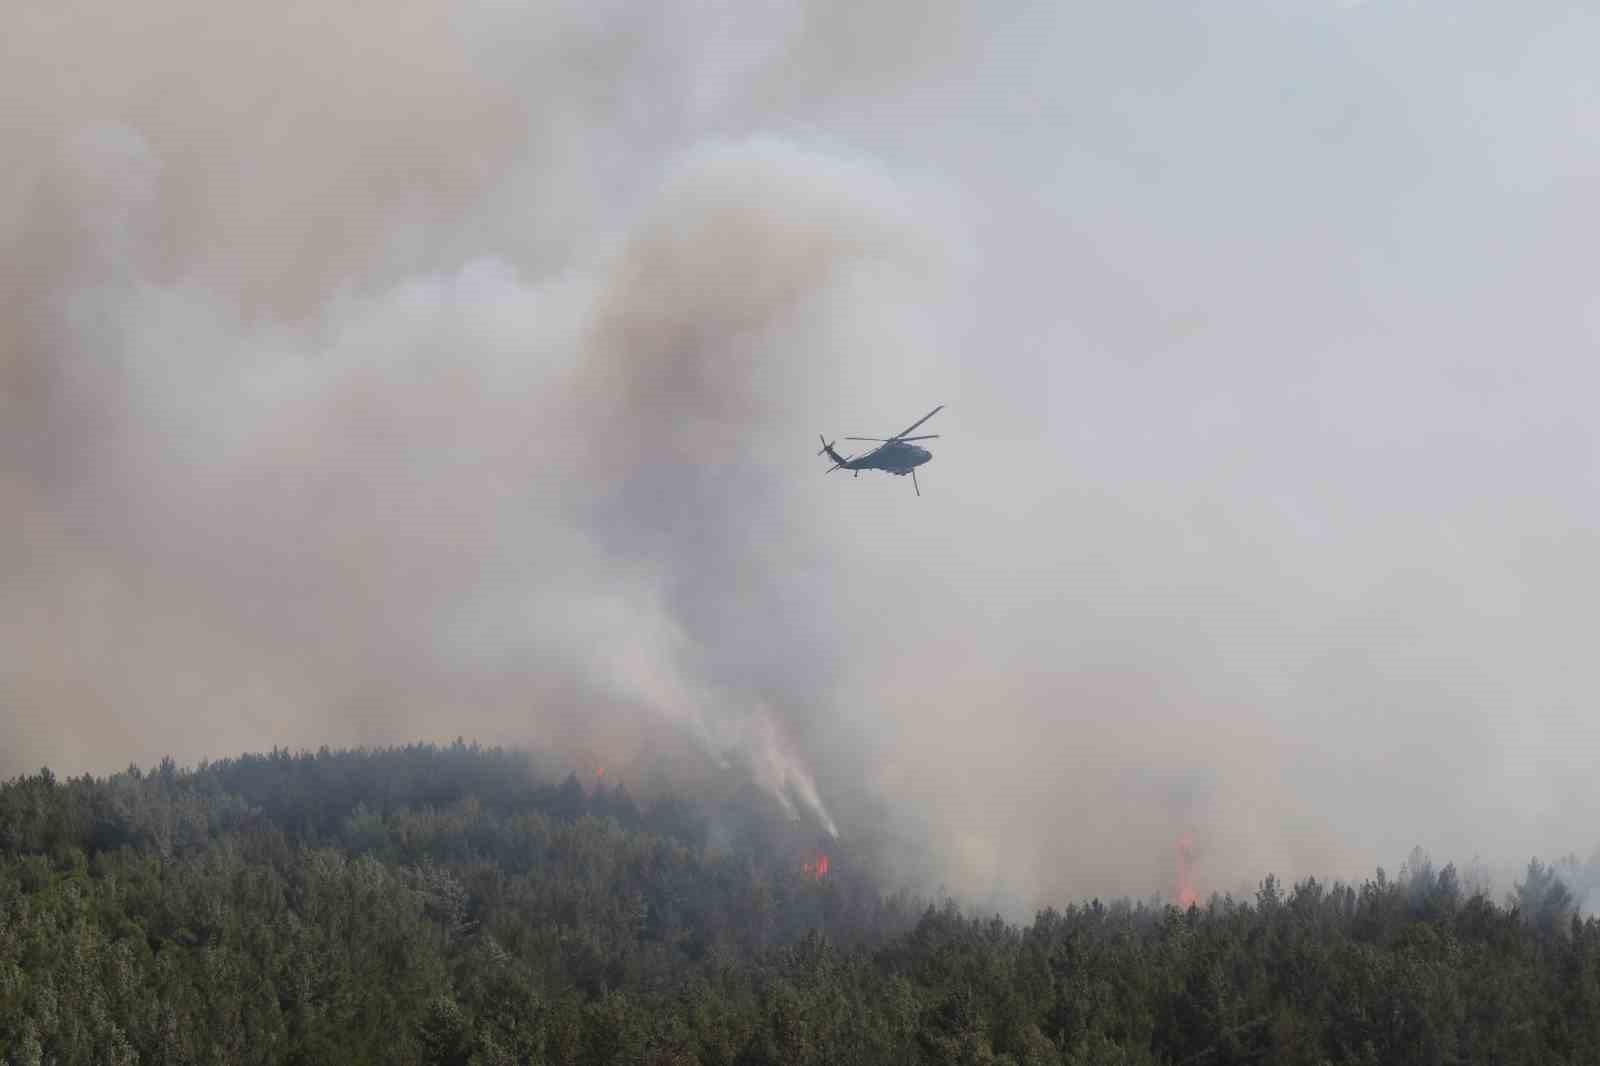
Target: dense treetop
[{"x": 444, "y": 905}]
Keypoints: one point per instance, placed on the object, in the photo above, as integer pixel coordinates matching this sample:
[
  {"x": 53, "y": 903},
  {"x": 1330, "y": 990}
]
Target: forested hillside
[{"x": 442, "y": 905}]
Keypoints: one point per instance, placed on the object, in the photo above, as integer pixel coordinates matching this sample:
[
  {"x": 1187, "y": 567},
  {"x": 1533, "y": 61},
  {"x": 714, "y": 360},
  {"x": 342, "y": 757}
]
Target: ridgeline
[{"x": 443, "y": 905}]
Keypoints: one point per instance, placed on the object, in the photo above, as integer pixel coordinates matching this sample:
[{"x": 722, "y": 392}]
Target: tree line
[{"x": 441, "y": 905}]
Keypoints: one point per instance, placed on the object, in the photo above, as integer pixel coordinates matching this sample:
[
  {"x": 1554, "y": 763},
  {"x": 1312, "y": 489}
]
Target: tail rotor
[{"x": 827, "y": 449}]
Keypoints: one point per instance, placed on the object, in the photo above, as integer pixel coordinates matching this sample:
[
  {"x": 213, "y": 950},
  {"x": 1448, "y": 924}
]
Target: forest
[{"x": 448, "y": 905}]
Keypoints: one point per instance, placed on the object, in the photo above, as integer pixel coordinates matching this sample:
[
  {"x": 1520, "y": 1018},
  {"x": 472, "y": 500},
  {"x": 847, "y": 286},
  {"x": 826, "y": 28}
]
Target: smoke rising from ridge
[{"x": 454, "y": 371}]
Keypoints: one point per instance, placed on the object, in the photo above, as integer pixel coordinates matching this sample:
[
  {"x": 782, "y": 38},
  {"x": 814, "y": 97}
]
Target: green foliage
[{"x": 439, "y": 905}]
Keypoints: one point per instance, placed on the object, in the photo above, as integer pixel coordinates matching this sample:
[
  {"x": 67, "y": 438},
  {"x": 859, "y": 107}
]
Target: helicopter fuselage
[{"x": 894, "y": 458}]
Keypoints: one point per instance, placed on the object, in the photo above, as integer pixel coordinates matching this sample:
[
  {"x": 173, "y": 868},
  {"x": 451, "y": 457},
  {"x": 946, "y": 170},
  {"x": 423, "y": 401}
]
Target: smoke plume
[{"x": 452, "y": 370}]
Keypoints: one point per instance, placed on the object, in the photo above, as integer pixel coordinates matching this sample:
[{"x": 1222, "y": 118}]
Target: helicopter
[{"x": 894, "y": 455}]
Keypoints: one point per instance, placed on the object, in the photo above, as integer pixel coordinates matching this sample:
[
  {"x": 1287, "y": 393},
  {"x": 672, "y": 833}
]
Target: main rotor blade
[
  {"x": 925, "y": 436},
  {"x": 918, "y": 422},
  {"x": 880, "y": 440}
]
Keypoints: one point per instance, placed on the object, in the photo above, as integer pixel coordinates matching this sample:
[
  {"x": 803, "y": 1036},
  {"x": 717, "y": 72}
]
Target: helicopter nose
[{"x": 923, "y": 455}]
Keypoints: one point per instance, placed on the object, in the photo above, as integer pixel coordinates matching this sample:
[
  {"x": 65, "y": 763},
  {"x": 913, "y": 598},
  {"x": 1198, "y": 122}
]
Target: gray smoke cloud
[{"x": 368, "y": 377}]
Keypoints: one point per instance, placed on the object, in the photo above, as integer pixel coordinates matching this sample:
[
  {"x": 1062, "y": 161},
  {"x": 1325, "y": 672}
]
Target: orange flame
[
  {"x": 599, "y": 771},
  {"x": 1185, "y": 891},
  {"x": 816, "y": 870}
]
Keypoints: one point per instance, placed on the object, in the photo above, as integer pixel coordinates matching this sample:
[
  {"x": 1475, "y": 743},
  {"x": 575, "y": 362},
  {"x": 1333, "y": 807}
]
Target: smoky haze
[{"x": 373, "y": 375}]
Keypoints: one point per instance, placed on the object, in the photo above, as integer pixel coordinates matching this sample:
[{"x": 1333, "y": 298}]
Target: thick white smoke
[
  {"x": 454, "y": 369},
  {"x": 423, "y": 499}
]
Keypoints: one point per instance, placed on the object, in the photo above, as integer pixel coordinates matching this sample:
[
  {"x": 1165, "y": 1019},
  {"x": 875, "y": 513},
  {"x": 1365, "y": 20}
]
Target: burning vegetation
[{"x": 816, "y": 870}]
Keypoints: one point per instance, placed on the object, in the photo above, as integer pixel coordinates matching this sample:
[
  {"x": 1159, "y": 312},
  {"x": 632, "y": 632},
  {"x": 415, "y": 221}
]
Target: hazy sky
[{"x": 377, "y": 373}]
